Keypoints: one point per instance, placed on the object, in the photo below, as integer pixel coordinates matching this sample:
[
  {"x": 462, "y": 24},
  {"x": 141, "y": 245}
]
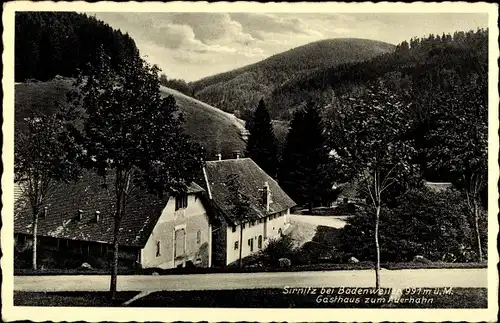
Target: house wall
[
  {"x": 192, "y": 219},
  {"x": 65, "y": 253},
  {"x": 275, "y": 222}
]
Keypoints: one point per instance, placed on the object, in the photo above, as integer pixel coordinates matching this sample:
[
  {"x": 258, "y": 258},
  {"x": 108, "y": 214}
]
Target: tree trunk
[
  {"x": 114, "y": 264},
  {"x": 377, "y": 247},
  {"x": 35, "y": 232},
  {"x": 121, "y": 189},
  {"x": 478, "y": 234},
  {"x": 240, "y": 263}
]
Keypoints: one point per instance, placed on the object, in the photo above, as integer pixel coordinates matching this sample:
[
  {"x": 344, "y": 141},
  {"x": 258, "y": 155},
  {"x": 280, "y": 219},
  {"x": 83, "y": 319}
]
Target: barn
[{"x": 77, "y": 222}]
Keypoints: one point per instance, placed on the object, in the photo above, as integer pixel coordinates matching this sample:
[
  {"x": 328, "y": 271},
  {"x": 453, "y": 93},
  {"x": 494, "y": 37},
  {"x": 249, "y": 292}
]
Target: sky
[{"x": 192, "y": 45}]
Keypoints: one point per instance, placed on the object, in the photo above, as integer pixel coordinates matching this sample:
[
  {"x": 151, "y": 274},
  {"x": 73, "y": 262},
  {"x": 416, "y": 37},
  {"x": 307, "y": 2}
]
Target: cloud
[
  {"x": 341, "y": 30},
  {"x": 174, "y": 36},
  {"x": 213, "y": 28},
  {"x": 193, "y": 45},
  {"x": 259, "y": 25}
]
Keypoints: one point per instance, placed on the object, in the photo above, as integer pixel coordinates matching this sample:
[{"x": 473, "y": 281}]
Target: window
[
  {"x": 280, "y": 232},
  {"x": 250, "y": 243},
  {"x": 243, "y": 225},
  {"x": 158, "y": 253},
  {"x": 259, "y": 242},
  {"x": 260, "y": 220},
  {"x": 181, "y": 202},
  {"x": 198, "y": 237},
  {"x": 234, "y": 228},
  {"x": 236, "y": 245}
]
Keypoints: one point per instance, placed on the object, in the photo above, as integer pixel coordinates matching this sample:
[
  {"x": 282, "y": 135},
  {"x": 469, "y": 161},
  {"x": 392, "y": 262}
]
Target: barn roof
[
  {"x": 438, "y": 187},
  {"x": 252, "y": 179},
  {"x": 90, "y": 195}
]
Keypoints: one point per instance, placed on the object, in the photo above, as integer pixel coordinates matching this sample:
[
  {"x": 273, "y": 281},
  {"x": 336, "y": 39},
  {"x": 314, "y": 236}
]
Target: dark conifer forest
[
  {"x": 59, "y": 43},
  {"x": 419, "y": 65}
]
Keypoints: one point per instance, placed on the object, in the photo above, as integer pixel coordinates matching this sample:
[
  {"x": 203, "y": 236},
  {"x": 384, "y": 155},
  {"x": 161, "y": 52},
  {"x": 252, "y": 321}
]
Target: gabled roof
[
  {"x": 252, "y": 179},
  {"x": 89, "y": 195},
  {"x": 438, "y": 187}
]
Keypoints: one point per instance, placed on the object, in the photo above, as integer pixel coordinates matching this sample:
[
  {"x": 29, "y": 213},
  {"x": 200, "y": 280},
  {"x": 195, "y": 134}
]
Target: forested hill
[
  {"x": 419, "y": 67},
  {"x": 241, "y": 89},
  {"x": 58, "y": 43}
]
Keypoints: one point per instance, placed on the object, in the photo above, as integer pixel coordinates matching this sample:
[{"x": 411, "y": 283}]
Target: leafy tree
[
  {"x": 132, "y": 135},
  {"x": 240, "y": 207},
  {"x": 369, "y": 138},
  {"x": 261, "y": 145},
  {"x": 425, "y": 223},
  {"x": 163, "y": 79},
  {"x": 44, "y": 153},
  {"x": 303, "y": 169},
  {"x": 176, "y": 84},
  {"x": 460, "y": 142}
]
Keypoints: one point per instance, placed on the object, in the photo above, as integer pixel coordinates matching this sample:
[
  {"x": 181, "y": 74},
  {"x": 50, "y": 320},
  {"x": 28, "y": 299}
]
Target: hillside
[
  {"x": 239, "y": 90},
  {"x": 415, "y": 67},
  {"x": 58, "y": 43},
  {"x": 216, "y": 130}
]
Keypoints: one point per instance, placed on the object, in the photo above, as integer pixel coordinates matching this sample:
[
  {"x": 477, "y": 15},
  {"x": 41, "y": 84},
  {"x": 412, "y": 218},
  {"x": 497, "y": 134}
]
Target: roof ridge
[{"x": 229, "y": 159}]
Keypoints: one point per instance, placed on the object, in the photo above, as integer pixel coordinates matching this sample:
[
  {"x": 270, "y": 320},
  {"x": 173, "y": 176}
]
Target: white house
[
  {"x": 267, "y": 215},
  {"x": 78, "y": 218}
]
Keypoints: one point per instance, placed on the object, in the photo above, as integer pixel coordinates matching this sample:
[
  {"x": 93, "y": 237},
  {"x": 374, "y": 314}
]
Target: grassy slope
[
  {"x": 213, "y": 128},
  {"x": 243, "y": 87}
]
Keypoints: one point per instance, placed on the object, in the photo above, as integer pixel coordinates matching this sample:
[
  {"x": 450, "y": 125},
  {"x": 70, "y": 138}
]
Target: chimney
[
  {"x": 266, "y": 195},
  {"x": 80, "y": 215},
  {"x": 97, "y": 216},
  {"x": 237, "y": 154},
  {"x": 219, "y": 156}
]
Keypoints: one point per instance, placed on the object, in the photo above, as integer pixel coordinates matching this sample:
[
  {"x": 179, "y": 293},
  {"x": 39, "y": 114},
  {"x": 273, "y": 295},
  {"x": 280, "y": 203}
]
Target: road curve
[
  {"x": 350, "y": 278},
  {"x": 328, "y": 221}
]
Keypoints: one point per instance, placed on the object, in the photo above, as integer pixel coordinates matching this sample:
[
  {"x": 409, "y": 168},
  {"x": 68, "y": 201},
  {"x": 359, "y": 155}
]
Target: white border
[{"x": 38, "y": 314}]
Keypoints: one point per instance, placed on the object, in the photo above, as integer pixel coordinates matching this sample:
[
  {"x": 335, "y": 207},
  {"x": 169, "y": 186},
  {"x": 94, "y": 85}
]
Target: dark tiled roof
[
  {"x": 88, "y": 195},
  {"x": 438, "y": 187},
  {"x": 252, "y": 179}
]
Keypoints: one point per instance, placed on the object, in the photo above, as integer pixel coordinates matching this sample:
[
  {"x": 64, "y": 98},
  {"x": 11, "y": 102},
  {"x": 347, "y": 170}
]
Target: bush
[
  {"x": 22, "y": 259},
  {"x": 277, "y": 248},
  {"x": 431, "y": 224}
]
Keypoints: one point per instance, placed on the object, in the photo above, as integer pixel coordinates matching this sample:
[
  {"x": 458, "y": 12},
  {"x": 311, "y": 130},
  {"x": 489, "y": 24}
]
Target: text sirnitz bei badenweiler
[{"x": 369, "y": 295}]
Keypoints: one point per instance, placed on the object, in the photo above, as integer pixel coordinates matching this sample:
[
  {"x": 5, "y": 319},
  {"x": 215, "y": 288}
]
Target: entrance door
[{"x": 179, "y": 247}]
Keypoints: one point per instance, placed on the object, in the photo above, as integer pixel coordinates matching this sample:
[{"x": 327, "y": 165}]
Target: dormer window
[
  {"x": 181, "y": 202},
  {"x": 97, "y": 216},
  {"x": 44, "y": 212},
  {"x": 80, "y": 215}
]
